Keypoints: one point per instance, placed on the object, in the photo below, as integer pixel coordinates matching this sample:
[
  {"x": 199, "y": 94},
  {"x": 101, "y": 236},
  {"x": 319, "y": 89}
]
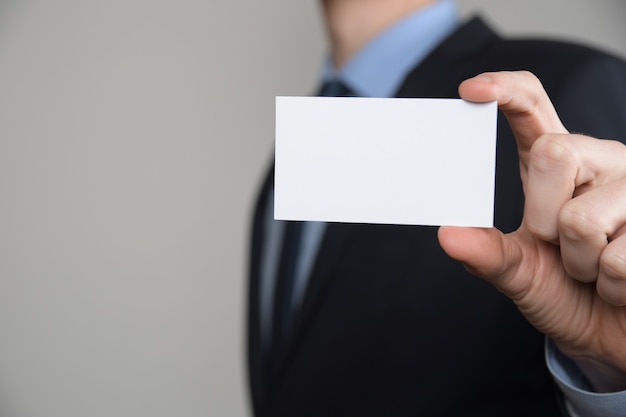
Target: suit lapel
[
  {"x": 441, "y": 71},
  {"x": 257, "y": 363}
]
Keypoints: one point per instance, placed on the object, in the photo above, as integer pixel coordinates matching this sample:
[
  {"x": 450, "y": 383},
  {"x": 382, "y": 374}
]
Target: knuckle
[
  {"x": 534, "y": 86},
  {"x": 552, "y": 151},
  {"x": 529, "y": 76},
  {"x": 611, "y": 292},
  {"x": 613, "y": 265},
  {"x": 578, "y": 221},
  {"x": 611, "y": 285},
  {"x": 616, "y": 148}
]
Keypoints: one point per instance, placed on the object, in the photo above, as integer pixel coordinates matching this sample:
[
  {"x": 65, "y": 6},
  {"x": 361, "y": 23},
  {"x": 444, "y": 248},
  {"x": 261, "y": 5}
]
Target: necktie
[
  {"x": 283, "y": 296},
  {"x": 335, "y": 88},
  {"x": 285, "y": 281}
]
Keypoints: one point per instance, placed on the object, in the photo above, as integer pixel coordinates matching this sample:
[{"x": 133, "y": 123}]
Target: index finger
[{"x": 523, "y": 101}]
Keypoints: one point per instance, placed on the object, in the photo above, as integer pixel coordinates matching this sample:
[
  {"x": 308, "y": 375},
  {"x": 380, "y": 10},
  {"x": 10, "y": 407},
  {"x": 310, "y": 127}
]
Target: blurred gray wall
[{"x": 133, "y": 135}]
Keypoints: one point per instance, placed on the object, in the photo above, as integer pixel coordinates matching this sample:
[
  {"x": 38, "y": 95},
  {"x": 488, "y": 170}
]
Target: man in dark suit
[{"x": 386, "y": 323}]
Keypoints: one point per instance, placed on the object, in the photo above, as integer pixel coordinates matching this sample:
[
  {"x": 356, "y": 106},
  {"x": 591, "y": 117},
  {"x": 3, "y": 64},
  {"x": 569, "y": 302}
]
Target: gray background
[{"x": 132, "y": 138}]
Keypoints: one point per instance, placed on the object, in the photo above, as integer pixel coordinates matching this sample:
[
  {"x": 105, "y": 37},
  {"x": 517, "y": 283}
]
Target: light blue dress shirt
[
  {"x": 581, "y": 402},
  {"x": 377, "y": 70}
]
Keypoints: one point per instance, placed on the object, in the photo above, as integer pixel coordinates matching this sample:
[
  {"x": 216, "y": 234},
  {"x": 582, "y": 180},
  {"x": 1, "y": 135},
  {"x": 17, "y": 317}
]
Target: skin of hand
[{"x": 565, "y": 267}]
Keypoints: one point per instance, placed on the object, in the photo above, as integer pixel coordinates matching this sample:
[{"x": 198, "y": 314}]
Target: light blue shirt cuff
[{"x": 580, "y": 400}]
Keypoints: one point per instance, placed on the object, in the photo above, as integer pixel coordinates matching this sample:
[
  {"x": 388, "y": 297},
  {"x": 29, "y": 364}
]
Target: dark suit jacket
[{"x": 390, "y": 326}]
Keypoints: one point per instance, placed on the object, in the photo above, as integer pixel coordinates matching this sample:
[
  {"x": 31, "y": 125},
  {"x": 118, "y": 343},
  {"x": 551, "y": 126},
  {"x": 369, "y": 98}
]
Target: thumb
[{"x": 485, "y": 252}]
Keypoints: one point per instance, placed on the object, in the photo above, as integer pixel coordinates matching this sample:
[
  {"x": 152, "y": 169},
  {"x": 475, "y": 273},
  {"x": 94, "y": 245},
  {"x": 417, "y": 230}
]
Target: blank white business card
[{"x": 386, "y": 161}]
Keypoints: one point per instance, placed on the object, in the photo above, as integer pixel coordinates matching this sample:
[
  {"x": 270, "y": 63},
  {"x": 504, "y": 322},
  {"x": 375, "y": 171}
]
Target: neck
[{"x": 351, "y": 24}]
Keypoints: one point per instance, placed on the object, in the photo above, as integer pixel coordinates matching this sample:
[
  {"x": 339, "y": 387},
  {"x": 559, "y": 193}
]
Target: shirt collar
[{"x": 379, "y": 68}]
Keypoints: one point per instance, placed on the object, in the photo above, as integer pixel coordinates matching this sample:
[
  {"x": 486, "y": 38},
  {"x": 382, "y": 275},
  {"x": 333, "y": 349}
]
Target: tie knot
[{"x": 336, "y": 88}]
